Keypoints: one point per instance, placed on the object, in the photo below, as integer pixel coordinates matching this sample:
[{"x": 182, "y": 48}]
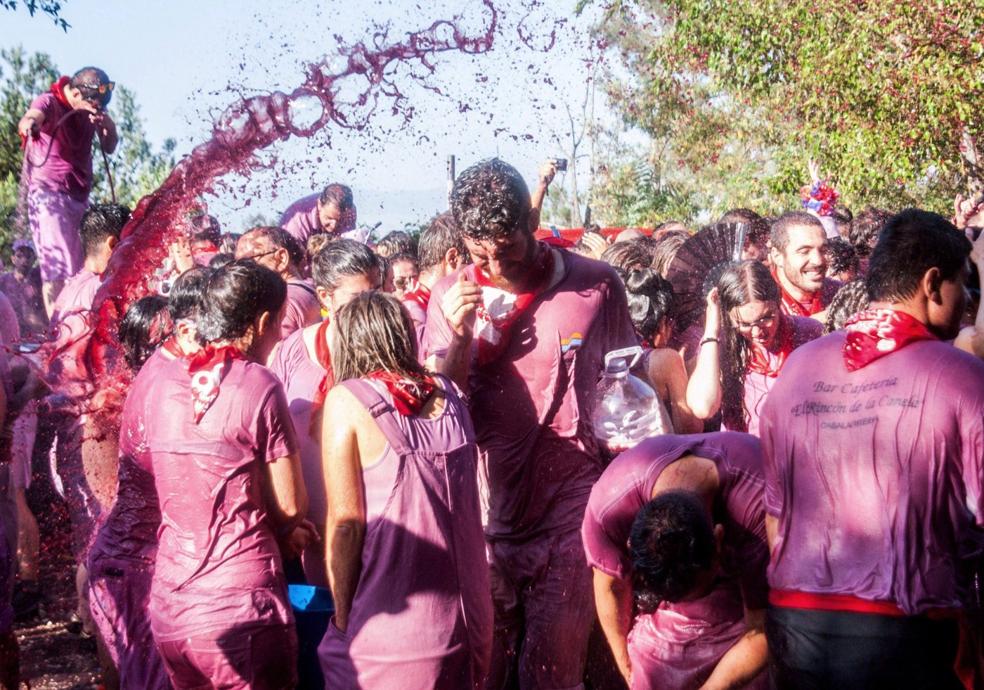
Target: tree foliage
[
  {"x": 52, "y": 8},
  {"x": 737, "y": 95}
]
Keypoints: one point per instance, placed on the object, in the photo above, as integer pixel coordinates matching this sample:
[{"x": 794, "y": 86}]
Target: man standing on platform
[
  {"x": 332, "y": 211},
  {"x": 524, "y": 330}
]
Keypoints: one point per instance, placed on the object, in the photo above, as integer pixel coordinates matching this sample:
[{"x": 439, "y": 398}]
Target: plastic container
[
  {"x": 627, "y": 408},
  {"x": 313, "y": 608}
]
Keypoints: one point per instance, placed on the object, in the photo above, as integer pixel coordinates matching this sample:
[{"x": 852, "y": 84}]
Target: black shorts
[{"x": 828, "y": 649}]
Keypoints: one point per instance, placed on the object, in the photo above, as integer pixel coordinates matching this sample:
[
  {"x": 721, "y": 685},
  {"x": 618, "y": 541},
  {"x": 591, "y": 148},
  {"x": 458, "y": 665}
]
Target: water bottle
[{"x": 627, "y": 410}]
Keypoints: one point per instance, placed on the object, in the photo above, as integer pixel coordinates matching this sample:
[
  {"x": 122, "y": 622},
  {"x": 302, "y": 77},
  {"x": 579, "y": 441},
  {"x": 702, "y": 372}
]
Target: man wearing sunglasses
[{"x": 57, "y": 133}]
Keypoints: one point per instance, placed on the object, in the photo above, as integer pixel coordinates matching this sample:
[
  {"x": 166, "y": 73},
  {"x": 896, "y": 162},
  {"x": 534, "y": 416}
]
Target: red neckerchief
[
  {"x": 760, "y": 360},
  {"x": 794, "y": 308},
  {"x": 875, "y": 333},
  {"x": 172, "y": 348},
  {"x": 409, "y": 395},
  {"x": 207, "y": 368},
  {"x": 494, "y": 336},
  {"x": 58, "y": 91},
  {"x": 419, "y": 294},
  {"x": 323, "y": 356}
]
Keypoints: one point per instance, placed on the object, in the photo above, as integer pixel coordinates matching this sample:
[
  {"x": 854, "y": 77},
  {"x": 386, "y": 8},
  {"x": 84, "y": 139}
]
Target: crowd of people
[{"x": 405, "y": 425}]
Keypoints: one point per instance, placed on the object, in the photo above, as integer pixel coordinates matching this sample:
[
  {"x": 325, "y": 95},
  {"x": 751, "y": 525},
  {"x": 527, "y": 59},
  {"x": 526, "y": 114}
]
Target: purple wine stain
[{"x": 245, "y": 128}]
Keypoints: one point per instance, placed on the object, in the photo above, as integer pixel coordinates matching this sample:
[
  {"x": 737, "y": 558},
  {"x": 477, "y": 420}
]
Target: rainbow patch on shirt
[{"x": 572, "y": 342}]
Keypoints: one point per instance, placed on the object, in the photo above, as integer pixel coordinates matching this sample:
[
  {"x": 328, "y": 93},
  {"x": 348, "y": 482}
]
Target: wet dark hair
[
  {"x": 490, "y": 200},
  {"x": 281, "y": 239},
  {"x": 739, "y": 284},
  {"x": 235, "y": 296},
  {"x": 865, "y": 229},
  {"x": 913, "y": 242},
  {"x": 396, "y": 242},
  {"x": 757, "y": 227},
  {"x": 339, "y": 195},
  {"x": 841, "y": 256},
  {"x": 441, "y": 235},
  {"x": 340, "y": 258},
  {"x": 221, "y": 259},
  {"x": 89, "y": 76},
  {"x": 184, "y": 301},
  {"x": 374, "y": 332},
  {"x": 143, "y": 328},
  {"x": 204, "y": 227},
  {"x": 671, "y": 543},
  {"x": 228, "y": 242},
  {"x": 666, "y": 249},
  {"x": 779, "y": 234},
  {"x": 404, "y": 257},
  {"x": 850, "y": 299},
  {"x": 650, "y": 298},
  {"x": 629, "y": 255},
  {"x": 100, "y": 222}
]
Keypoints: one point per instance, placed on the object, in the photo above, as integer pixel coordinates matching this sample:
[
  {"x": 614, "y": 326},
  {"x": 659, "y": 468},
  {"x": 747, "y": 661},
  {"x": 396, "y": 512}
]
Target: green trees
[
  {"x": 737, "y": 95},
  {"x": 137, "y": 168}
]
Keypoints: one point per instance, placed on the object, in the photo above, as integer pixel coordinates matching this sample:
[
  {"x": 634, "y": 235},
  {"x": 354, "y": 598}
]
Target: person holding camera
[{"x": 57, "y": 133}]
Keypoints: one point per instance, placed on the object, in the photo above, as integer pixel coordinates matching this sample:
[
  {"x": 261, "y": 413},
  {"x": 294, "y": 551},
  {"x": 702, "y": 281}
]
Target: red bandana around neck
[
  {"x": 771, "y": 363},
  {"x": 207, "y": 368},
  {"x": 409, "y": 395},
  {"x": 874, "y": 333},
  {"x": 796, "y": 308},
  {"x": 493, "y": 331},
  {"x": 58, "y": 90},
  {"x": 323, "y": 356},
  {"x": 419, "y": 294}
]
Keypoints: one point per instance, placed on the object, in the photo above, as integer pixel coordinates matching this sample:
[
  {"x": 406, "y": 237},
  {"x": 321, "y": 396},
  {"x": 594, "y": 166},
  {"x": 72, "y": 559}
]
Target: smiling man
[
  {"x": 798, "y": 252},
  {"x": 332, "y": 211},
  {"x": 524, "y": 330},
  {"x": 873, "y": 440}
]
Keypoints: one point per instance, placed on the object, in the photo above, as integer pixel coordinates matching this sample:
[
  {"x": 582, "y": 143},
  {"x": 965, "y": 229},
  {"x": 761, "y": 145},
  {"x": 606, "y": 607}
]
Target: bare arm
[
  {"x": 746, "y": 658},
  {"x": 673, "y": 375},
  {"x": 458, "y": 305},
  {"x": 613, "y": 599},
  {"x": 704, "y": 388},
  {"x": 345, "y": 527},
  {"x": 771, "y": 530},
  {"x": 290, "y": 499},
  {"x": 547, "y": 172},
  {"x": 30, "y": 125}
]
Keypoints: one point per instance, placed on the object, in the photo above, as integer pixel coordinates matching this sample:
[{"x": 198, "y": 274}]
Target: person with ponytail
[
  {"x": 222, "y": 449},
  {"x": 650, "y": 298},
  {"x": 747, "y": 338},
  {"x": 404, "y": 544},
  {"x": 341, "y": 270}
]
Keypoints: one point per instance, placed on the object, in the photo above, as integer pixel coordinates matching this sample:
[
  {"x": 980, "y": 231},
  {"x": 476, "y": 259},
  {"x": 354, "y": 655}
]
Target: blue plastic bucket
[{"x": 313, "y": 608}]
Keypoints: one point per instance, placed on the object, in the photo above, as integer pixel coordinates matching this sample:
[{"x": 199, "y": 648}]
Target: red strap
[
  {"x": 832, "y": 602},
  {"x": 323, "y": 355},
  {"x": 409, "y": 394}
]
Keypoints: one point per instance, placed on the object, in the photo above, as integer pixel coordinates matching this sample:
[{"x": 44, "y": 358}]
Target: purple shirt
[
  {"x": 68, "y": 168},
  {"x": 9, "y": 326},
  {"x": 419, "y": 318},
  {"x": 74, "y": 301},
  {"x": 302, "y": 309},
  {"x": 218, "y": 553},
  {"x": 301, "y": 218},
  {"x": 25, "y": 298},
  {"x": 757, "y": 385},
  {"x": 887, "y": 493},
  {"x": 532, "y": 405},
  {"x": 678, "y": 645}
]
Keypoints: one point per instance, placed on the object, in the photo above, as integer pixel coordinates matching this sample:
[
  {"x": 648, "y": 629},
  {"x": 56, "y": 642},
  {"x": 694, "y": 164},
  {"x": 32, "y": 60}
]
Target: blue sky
[{"x": 182, "y": 57}]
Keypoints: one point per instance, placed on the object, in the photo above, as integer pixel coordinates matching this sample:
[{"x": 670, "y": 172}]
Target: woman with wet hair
[
  {"x": 650, "y": 299},
  {"x": 851, "y": 299},
  {"x": 403, "y": 533},
  {"x": 341, "y": 270},
  {"x": 121, "y": 560},
  {"x": 144, "y": 327},
  {"x": 227, "y": 473},
  {"x": 746, "y": 341}
]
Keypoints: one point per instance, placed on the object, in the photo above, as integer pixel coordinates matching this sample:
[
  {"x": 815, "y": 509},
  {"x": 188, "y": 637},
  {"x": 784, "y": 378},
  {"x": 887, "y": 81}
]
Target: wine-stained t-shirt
[
  {"x": 216, "y": 539},
  {"x": 875, "y": 476},
  {"x": 532, "y": 404},
  {"x": 301, "y": 218},
  {"x": 67, "y": 166},
  {"x": 302, "y": 308}
]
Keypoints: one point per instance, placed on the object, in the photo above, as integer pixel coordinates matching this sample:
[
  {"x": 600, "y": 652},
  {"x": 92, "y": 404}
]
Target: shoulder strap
[{"x": 381, "y": 410}]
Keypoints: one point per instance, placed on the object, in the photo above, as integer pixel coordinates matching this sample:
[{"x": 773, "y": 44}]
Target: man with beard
[
  {"x": 798, "y": 252},
  {"x": 873, "y": 440},
  {"x": 524, "y": 330}
]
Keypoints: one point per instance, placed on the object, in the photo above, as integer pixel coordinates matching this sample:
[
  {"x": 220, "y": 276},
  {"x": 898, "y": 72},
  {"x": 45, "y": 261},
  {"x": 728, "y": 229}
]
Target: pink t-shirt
[
  {"x": 532, "y": 405},
  {"x": 73, "y": 303},
  {"x": 757, "y": 385},
  {"x": 876, "y": 476},
  {"x": 68, "y": 168},
  {"x": 218, "y": 557},
  {"x": 301, "y": 219},
  {"x": 70, "y": 328},
  {"x": 303, "y": 308},
  {"x": 678, "y": 645},
  {"x": 419, "y": 317}
]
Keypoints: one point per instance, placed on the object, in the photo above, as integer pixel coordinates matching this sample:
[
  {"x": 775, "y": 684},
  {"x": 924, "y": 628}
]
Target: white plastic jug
[{"x": 627, "y": 410}]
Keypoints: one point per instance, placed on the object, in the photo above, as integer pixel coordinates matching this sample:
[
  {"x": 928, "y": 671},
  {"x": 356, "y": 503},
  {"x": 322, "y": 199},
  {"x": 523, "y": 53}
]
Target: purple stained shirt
[
  {"x": 9, "y": 325},
  {"x": 302, "y": 309},
  {"x": 217, "y": 548},
  {"x": 678, "y": 645},
  {"x": 301, "y": 218},
  {"x": 757, "y": 386},
  {"x": 25, "y": 298},
  {"x": 532, "y": 405},
  {"x": 73, "y": 302},
  {"x": 419, "y": 318},
  {"x": 875, "y": 476},
  {"x": 67, "y": 168}
]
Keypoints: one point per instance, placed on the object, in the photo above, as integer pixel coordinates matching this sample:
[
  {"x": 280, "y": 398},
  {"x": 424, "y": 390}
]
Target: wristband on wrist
[{"x": 707, "y": 340}]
